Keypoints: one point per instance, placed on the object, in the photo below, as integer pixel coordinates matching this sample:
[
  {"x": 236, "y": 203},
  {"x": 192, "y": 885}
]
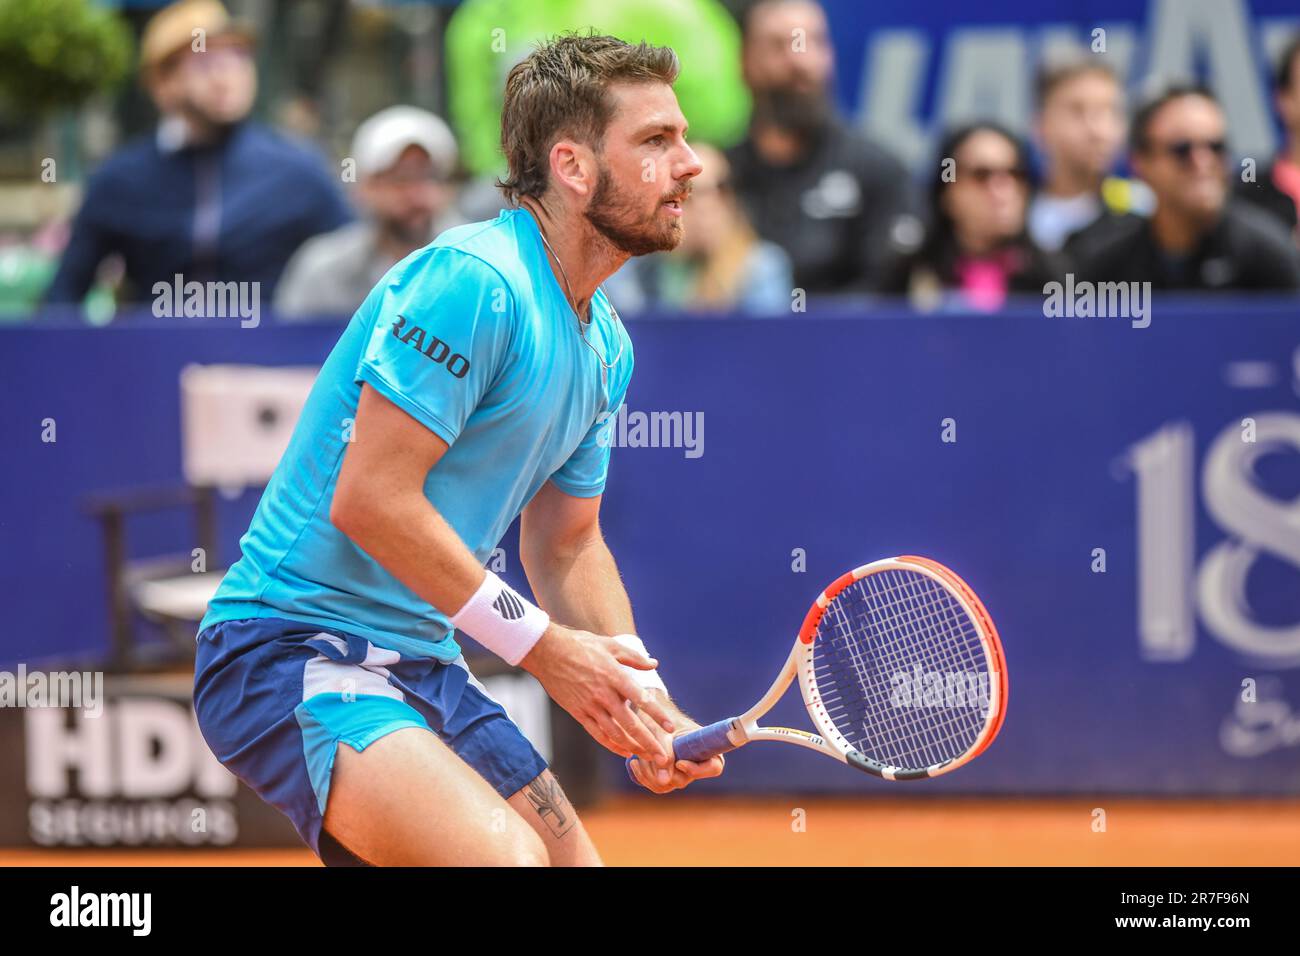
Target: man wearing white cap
[{"x": 404, "y": 161}]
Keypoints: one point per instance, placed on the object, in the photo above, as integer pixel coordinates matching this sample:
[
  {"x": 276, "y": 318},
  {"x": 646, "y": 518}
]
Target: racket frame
[{"x": 799, "y": 664}]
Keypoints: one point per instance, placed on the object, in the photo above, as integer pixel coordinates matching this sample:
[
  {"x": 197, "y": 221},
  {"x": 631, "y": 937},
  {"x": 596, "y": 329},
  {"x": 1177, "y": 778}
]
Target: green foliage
[{"x": 56, "y": 53}]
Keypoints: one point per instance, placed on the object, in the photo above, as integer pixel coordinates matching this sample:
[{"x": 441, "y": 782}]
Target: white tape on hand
[
  {"x": 503, "y": 621},
  {"x": 647, "y": 679}
]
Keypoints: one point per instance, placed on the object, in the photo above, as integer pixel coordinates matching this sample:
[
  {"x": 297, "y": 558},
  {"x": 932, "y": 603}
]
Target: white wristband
[
  {"x": 501, "y": 620},
  {"x": 647, "y": 679}
]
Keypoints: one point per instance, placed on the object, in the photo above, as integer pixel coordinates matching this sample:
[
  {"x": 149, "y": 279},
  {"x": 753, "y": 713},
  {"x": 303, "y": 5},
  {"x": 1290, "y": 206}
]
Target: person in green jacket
[{"x": 485, "y": 38}]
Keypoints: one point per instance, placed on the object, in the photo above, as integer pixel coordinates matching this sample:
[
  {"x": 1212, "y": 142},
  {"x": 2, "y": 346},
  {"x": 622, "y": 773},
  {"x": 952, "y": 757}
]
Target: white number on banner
[{"x": 1169, "y": 585}]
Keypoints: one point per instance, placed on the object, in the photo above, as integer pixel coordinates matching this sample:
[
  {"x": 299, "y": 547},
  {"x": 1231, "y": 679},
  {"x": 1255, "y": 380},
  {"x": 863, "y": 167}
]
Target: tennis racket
[{"x": 901, "y": 670}]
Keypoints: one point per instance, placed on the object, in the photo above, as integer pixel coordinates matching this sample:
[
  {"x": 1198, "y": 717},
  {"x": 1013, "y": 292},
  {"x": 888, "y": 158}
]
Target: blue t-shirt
[{"x": 473, "y": 337}]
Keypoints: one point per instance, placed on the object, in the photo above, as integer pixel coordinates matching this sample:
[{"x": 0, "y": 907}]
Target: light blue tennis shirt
[{"x": 472, "y": 337}]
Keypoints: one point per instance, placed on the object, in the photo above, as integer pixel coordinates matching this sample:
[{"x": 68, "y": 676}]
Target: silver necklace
[{"x": 582, "y": 330}]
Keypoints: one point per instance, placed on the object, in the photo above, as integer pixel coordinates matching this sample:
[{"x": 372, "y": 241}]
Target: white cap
[{"x": 382, "y": 138}]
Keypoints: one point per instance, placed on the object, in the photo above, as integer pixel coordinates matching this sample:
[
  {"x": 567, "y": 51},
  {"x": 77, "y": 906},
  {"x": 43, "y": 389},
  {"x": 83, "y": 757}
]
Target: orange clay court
[{"x": 854, "y": 832}]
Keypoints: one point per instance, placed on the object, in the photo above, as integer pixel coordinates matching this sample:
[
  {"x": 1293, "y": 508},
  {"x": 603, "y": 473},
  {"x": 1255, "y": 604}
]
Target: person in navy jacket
[{"x": 212, "y": 196}]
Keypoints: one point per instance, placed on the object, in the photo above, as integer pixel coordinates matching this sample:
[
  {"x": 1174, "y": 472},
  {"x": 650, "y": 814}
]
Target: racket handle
[
  {"x": 704, "y": 743},
  {"x": 698, "y": 745}
]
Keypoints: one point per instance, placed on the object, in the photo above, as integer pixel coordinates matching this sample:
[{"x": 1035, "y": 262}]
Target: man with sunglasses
[{"x": 1197, "y": 237}]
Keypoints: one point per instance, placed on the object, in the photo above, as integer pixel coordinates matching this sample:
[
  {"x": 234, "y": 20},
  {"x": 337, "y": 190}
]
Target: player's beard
[{"x": 618, "y": 218}]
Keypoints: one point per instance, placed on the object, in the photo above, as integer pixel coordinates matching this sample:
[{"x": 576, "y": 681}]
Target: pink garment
[
  {"x": 1286, "y": 177},
  {"x": 983, "y": 282}
]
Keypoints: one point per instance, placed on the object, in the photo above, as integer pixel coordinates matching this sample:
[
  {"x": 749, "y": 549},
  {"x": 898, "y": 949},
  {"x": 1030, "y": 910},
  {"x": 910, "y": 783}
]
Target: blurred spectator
[
  {"x": 721, "y": 263},
  {"x": 212, "y": 196},
  {"x": 405, "y": 159},
  {"x": 1080, "y": 130},
  {"x": 1276, "y": 187},
  {"x": 833, "y": 200},
  {"x": 485, "y": 38},
  {"x": 1197, "y": 237},
  {"x": 976, "y": 250},
  {"x": 310, "y": 37}
]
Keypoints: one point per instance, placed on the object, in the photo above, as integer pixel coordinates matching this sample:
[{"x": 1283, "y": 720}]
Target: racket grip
[
  {"x": 698, "y": 744},
  {"x": 706, "y": 742}
]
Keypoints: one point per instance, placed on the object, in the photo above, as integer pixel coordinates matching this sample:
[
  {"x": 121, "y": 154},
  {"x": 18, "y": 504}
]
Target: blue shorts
[{"x": 274, "y": 698}]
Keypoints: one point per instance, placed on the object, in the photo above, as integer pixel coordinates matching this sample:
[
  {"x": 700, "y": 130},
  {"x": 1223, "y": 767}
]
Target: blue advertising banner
[
  {"x": 1126, "y": 501},
  {"x": 906, "y": 71}
]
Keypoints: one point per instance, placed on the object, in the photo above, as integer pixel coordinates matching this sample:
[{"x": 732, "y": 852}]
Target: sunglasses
[
  {"x": 1183, "y": 149},
  {"x": 983, "y": 175}
]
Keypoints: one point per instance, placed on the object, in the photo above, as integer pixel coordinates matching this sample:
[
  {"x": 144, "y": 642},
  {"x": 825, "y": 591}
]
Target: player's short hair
[
  {"x": 1061, "y": 67},
  {"x": 562, "y": 90},
  {"x": 1288, "y": 66},
  {"x": 1154, "y": 103}
]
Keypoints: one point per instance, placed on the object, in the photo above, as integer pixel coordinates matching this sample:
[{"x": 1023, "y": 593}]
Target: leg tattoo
[{"x": 551, "y": 804}]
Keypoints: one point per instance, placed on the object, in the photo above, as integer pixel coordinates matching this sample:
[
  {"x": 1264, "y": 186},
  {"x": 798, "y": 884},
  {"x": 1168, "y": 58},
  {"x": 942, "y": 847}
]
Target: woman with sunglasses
[{"x": 976, "y": 252}]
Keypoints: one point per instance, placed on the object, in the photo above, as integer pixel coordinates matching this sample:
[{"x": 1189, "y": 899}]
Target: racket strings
[
  {"x": 919, "y": 613},
  {"x": 901, "y": 670},
  {"x": 935, "y": 613},
  {"x": 872, "y": 717},
  {"x": 928, "y": 617},
  {"x": 872, "y": 723}
]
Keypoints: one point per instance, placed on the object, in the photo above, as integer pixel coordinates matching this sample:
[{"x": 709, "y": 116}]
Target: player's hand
[
  {"x": 660, "y": 779},
  {"x": 583, "y": 673}
]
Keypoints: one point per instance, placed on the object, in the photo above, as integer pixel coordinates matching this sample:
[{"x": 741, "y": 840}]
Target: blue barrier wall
[{"x": 822, "y": 437}]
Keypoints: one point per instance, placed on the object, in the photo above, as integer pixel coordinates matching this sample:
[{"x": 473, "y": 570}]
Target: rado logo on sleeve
[{"x": 430, "y": 346}]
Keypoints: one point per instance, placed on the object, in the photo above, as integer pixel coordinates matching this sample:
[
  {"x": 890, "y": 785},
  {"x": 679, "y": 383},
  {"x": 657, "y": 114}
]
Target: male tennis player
[{"x": 474, "y": 384}]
